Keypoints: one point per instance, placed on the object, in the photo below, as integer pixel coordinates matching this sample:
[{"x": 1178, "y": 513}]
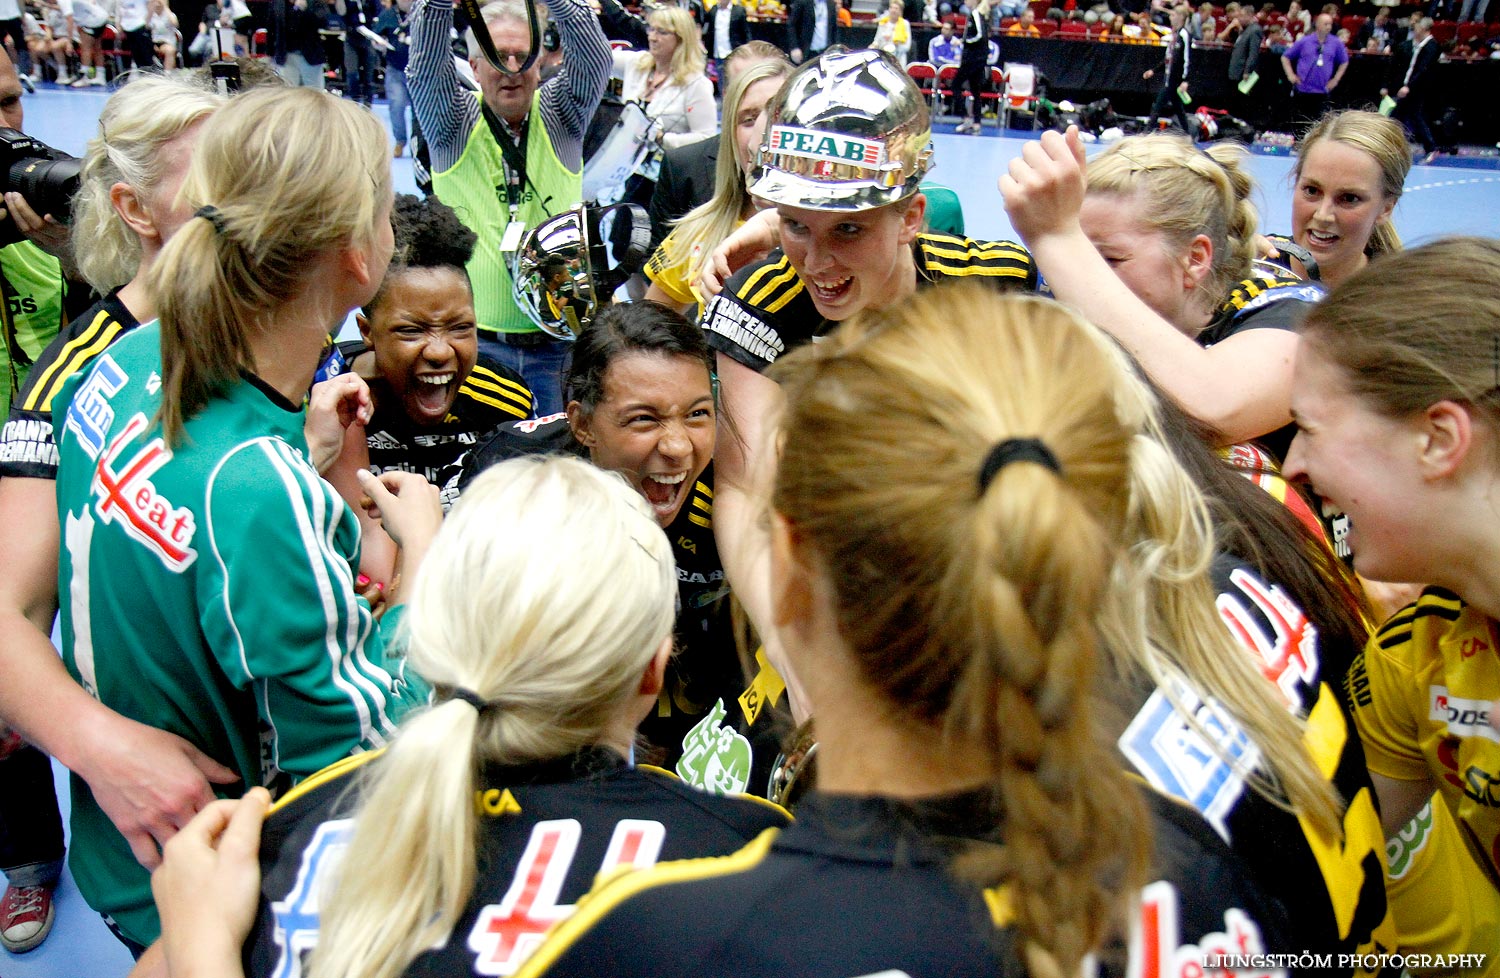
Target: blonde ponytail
[
  {"x": 280, "y": 177},
  {"x": 969, "y": 604},
  {"x": 495, "y": 611}
]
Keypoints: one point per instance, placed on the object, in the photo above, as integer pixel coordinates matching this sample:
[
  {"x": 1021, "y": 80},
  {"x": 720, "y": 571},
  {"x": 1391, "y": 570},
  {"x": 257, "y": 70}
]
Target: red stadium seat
[
  {"x": 1047, "y": 27},
  {"x": 925, "y": 76},
  {"x": 1075, "y": 30},
  {"x": 993, "y": 94},
  {"x": 1352, "y": 23},
  {"x": 258, "y": 42},
  {"x": 1444, "y": 31},
  {"x": 111, "y": 47},
  {"x": 1471, "y": 33}
]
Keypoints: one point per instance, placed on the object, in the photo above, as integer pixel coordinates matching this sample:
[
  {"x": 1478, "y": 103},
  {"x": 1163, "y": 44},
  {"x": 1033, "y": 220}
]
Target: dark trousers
[
  {"x": 31, "y": 831},
  {"x": 17, "y": 34},
  {"x": 1169, "y": 104},
  {"x": 359, "y": 68},
  {"x": 142, "y": 51},
  {"x": 1412, "y": 113},
  {"x": 974, "y": 77}
]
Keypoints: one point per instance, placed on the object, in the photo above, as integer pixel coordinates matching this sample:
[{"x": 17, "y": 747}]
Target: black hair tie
[
  {"x": 470, "y": 697},
  {"x": 211, "y": 214},
  {"x": 1015, "y": 450}
]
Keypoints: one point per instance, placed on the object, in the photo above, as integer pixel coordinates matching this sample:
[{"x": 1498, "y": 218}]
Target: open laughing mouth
[
  {"x": 831, "y": 292},
  {"x": 434, "y": 392},
  {"x": 664, "y": 492}
]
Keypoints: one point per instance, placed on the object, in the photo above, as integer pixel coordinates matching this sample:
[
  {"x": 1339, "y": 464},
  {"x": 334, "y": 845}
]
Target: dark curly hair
[{"x": 428, "y": 235}]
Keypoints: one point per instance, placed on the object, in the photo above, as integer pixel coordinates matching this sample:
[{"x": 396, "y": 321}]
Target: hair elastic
[
  {"x": 1015, "y": 450},
  {"x": 470, "y": 697},
  {"x": 211, "y": 214}
]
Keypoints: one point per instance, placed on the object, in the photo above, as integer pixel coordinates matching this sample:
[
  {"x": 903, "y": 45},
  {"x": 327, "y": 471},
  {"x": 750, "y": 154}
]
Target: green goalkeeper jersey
[{"x": 208, "y": 590}]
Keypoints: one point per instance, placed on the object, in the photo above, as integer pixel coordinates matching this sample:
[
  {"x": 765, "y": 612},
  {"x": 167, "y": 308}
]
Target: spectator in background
[
  {"x": 893, "y": 33},
  {"x": 359, "y": 55},
  {"x": 1242, "y": 62},
  {"x": 164, "y": 36},
  {"x": 541, "y": 126},
  {"x": 1412, "y": 80},
  {"x": 394, "y": 24},
  {"x": 1177, "y": 59},
  {"x": 972, "y": 65},
  {"x": 12, "y": 27},
  {"x": 296, "y": 45},
  {"x": 1026, "y": 26},
  {"x": 945, "y": 48},
  {"x": 688, "y": 173},
  {"x": 728, "y": 28},
  {"x": 1232, "y": 26},
  {"x": 134, "y": 21},
  {"x": 669, "y": 77},
  {"x": 846, "y": 19},
  {"x": 1314, "y": 64},
  {"x": 90, "y": 18},
  {"x": 1204, "y": 26},
  {"x": 811, "y": 26},
  {"x": 1375, "y": 35},
  {"x": 1473, "y": 10},
  {"x": 1298, "y": 20}
]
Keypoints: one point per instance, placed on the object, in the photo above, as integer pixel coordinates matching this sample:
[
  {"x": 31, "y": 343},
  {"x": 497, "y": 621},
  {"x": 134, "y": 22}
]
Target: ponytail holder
[
  {"x": 1015, "y": 450},
  {"x": 470, "y": 697},
  {"x": 211, "y": 214}
]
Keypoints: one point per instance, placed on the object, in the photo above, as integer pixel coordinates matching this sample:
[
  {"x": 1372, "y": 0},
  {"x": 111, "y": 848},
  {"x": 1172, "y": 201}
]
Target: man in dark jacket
[
  {"x": 296, "y": 45},
  {"x": 1412, "y": 79},
  {"x": 811, "y": 26},
  {"x": 1242, "y": 62},
  {"x": 726, "y": 30}
]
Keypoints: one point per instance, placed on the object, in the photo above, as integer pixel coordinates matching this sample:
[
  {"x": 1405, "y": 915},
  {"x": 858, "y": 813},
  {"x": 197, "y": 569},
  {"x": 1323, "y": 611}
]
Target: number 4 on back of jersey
[{"x": 506, "y": 933}]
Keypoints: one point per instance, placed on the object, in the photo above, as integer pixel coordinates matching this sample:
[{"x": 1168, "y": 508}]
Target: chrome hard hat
[
  {"x": 567, "y": 267},
  {"x": 551, "y": 277},
  {"x": 848, "y": 131}
]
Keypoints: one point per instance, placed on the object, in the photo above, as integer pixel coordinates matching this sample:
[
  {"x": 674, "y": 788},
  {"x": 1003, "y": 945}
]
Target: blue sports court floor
[{"x": 1457, "y": 196}]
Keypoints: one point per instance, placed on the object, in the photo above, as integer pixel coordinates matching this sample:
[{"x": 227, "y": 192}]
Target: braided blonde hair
[{"x": 969, "y": 607}]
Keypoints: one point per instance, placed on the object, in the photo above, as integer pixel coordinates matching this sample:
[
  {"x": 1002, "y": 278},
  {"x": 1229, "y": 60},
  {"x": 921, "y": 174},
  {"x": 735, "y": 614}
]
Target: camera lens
[{"x": 47, "y": 185}]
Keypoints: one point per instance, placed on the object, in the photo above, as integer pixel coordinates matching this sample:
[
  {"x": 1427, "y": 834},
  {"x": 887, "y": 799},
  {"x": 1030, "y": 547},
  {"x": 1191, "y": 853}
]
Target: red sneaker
[{"x": 26, "y": 916}]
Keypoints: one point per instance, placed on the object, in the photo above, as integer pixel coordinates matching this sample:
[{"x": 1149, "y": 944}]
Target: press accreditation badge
[{"x": 511, "y": 240}]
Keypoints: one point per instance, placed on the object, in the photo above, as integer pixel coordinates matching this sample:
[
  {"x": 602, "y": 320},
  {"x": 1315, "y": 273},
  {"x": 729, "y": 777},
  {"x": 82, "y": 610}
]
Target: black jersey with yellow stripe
[
  {"x": 1261, "y": 302},
  {"x": 492, "y": 397},
  {"x": 545, "y": 831},
  {"x": 1264, "y": 301},
  {"x": 1331, "y": 889},
  {"x": 765, "y": 310},
  {"x": 863, "y": 885},
  {"x": 27, "y": 446}
]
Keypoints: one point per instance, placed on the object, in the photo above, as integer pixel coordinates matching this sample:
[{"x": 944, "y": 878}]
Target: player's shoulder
[
  {"x": 493, "y": 387},
  {"x": 767, "y": 285},
  {"x": 944, "y": 256},
  {"x": 1421, "y": 625},
  {"x": 690, "y": 904},
  {"x": 74, "y": 348}
]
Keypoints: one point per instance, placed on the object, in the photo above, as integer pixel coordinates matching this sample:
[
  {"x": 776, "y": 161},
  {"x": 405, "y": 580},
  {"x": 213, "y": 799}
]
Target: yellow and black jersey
[
  {"x": 700, "y": 726},
  {"x": 1264, "y": 301},
  {"x": 1261, "y": 302},
  {"x": 546, "y": 830},
  {"x": 863, "y": 885},
  {"x": 493, "y": 396},
  {"x": 765, "y": 311},
  {"x": 1422, "y": 692},
  {"x": 27, "y": 447},
  {"x": 1331, "y": 890}
]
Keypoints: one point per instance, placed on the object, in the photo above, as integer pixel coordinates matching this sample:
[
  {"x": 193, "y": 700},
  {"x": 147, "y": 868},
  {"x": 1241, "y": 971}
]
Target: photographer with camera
[
  {"x": 508, "y": 157},
  {"x": 33, "y": 247}
]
